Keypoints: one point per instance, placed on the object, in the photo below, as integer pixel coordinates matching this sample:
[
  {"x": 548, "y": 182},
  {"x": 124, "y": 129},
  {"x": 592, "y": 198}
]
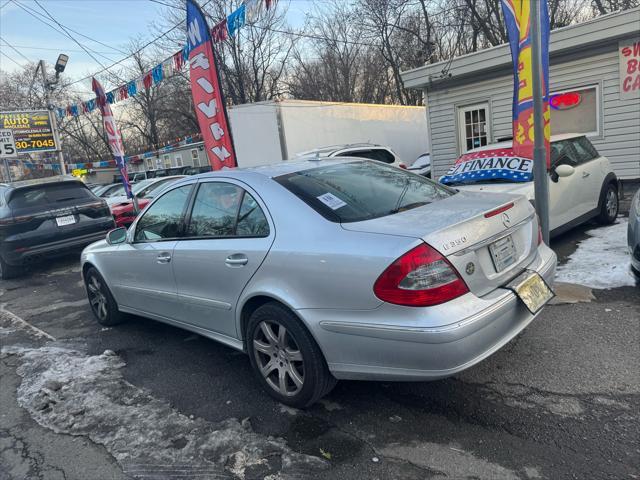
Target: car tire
[
  {"x": 102, "y": 303},
  {"x": 7, "y": 271},
  {"x": 288, "y": 363},
  {"x": 610, "y": 205}
]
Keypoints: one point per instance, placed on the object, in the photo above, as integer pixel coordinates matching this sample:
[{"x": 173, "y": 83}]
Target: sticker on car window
[{"x": 331, "y": 201}]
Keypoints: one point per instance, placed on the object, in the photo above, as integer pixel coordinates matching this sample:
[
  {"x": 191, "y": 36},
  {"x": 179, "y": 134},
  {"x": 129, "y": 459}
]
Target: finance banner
[{"x": 31, "y": 130}]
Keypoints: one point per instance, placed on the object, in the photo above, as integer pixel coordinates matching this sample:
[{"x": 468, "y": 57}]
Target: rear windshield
[
  {"x": 356, "y": 191},
  {"x": 49, "y": 195}
]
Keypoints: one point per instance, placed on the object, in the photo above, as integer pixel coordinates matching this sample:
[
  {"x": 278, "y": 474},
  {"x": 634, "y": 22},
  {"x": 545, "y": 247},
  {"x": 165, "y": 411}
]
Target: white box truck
[{"x": 266, "y": 132}]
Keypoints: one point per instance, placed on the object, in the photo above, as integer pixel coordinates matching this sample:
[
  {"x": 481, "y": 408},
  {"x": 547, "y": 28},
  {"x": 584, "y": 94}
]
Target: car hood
[
  {"x": 522, "y": 188},
  {"x": 111, "y": 201}
]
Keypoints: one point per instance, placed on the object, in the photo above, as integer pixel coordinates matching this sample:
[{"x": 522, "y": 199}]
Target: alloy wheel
[
  {"x": 97, "y": 298},
  {"x": 612, "y": 203},
  {"x": 278, "y": 358}
]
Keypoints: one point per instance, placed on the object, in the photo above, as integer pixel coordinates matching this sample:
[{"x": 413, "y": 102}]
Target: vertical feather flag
[
  {"x": 517, "y": 16},
  {"x": 206, "y": 91},
  {"x": 113, "y": 134}
]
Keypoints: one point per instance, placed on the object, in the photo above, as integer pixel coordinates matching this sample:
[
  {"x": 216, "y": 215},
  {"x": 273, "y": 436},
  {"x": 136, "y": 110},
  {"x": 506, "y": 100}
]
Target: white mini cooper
[{"x": 582, "y": 184}]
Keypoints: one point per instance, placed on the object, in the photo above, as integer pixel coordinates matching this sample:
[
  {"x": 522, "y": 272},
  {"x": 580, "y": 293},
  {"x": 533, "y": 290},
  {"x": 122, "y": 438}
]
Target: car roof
[
  {"x": 331, "y": 149},
  {"x": 280, "y": 168},
  {"x": 508, "y": 144},
  {"x": 40, "y": 181}
]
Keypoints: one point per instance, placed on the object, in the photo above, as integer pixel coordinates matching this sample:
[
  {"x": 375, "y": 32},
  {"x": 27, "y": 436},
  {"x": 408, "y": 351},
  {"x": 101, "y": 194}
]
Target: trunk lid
[
  {"x": 523, "y": 188},
  {"x": 458, "y": 228}
]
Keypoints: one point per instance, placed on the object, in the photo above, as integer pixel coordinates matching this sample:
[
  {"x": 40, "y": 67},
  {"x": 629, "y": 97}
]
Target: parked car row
[{"x": 163, "y": 172}]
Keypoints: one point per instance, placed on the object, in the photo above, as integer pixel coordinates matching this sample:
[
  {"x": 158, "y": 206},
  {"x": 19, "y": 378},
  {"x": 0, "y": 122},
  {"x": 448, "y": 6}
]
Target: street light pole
[
  {"x": 540, "y": 177},
  {"x": 52, "y": 116}
]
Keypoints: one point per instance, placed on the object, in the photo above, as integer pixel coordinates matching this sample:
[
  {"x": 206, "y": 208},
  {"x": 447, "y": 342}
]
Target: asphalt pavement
[{"x": 562, "y": 400}]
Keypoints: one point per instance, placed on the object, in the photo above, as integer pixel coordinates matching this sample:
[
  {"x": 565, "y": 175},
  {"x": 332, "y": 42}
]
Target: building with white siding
[{"x": 596, "y": 63}]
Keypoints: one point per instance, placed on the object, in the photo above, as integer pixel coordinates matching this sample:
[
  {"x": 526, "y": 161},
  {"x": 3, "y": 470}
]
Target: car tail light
[
  {"x": 402, "y": 165},
  {"x": 498, "y": 211},
  {"x": 420, "y": 278}
]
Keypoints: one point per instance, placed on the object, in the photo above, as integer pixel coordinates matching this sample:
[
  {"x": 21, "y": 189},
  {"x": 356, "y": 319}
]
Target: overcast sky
[{"x": 113, "y": 22}]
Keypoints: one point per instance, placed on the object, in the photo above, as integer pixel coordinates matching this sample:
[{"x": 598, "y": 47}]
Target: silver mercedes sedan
[{"x": 329, "y": 269}]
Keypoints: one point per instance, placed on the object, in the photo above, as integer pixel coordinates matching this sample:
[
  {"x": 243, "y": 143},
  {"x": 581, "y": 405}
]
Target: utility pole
[
  {"x": 540, "y": 177},
  {"x": 48, "y": 86}
]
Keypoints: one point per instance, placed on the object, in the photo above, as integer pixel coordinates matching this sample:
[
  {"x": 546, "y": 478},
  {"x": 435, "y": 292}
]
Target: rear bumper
[
  {"x": 59, "y": 247},
  {"x": 412, "y": 344}
]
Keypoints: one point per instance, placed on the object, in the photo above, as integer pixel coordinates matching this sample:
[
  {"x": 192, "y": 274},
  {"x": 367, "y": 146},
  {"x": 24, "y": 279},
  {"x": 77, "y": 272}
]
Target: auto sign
[{"x": 31, "y": 130}]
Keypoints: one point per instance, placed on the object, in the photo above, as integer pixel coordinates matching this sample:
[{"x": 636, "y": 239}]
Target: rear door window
[
  {"x": 223, "y": 209},
  {"x": 362, "y": 190},
  {"x": 48, "y": 196}
]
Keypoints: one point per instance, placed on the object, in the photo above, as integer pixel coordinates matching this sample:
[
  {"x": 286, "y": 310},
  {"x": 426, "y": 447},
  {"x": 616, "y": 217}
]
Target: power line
[
  {"x": 14, "y": 61},
  {"x": 137, "y": 51},
  {"x": 32, "y": 12},
  {"x": 58, "y": 49},
  {"x": 16, "y": 50}
]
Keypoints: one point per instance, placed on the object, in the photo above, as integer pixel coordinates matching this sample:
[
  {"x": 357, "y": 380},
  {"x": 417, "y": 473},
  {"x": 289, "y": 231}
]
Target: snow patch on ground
[
  {"x": 600, "y": 261},
  {"x": 74, "y": 393}
]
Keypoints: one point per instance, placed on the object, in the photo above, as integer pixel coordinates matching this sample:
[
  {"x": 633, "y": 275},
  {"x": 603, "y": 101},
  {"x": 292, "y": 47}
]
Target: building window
[
  {"x": 575, "y": 111},
  {"x": 178, "y": 159},
  {"x": 149, "y": 163},
  {"x": 158, "y": 163},
  {"x": 195, "y": 158},
  {"x": 166, "y": 159},
  {"x": 473, "y": 126}
]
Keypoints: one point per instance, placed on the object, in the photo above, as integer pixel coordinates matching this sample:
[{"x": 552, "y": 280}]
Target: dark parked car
[{"x": 43, "y": 218}]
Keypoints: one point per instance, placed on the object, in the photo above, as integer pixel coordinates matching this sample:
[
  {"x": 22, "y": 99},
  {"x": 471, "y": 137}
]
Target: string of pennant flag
[{"x": 249, "y": 12}]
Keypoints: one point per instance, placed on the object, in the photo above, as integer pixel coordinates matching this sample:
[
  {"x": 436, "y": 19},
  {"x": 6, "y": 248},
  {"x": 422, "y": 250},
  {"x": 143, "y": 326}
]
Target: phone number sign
[{"x": 31, "y": 130}]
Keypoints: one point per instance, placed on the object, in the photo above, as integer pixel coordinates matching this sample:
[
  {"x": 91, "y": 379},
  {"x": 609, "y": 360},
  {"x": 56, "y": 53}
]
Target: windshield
[
  {"x": 139, "y": 186},
  {"x": 356, "y": 191},
  {"x": 48, "y": 195}
]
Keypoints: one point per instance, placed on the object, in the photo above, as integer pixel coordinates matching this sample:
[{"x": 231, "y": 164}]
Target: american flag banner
[
  {"x": 487, "y": 165},
  {"x": 517, "y": 16},
  {"x": 113, "y": 134}
]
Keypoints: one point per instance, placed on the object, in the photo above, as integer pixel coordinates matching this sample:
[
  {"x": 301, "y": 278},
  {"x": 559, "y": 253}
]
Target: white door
[
  {"x": 591, "y": 171},
  {"x": 566, "y": 195},
  {"x": 473, "y": 126}
]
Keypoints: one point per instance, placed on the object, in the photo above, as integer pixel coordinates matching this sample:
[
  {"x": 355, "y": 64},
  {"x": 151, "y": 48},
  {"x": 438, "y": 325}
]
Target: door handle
[
  {"x": 164, "y": 257},
  {"x": 585, "y": 174},
  {"x": 236, "y": 260}
]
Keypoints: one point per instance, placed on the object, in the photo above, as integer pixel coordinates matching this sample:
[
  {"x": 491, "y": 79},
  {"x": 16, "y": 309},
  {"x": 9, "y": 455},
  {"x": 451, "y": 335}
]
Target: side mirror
[
  {"x": 565, "y": 170},
  {"x": 116, "y": 236}
]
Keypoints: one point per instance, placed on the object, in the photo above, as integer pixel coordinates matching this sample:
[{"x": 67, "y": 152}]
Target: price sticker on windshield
[
  {"x": 7, "y": 144},
  {"x": 331, "y": 201}
]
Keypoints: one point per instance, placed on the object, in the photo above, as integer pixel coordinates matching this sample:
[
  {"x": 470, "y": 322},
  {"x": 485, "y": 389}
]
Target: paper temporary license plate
[
  {"x": 532, "y": 290},
  {"x": 66, "y": 220},
  {"x": 503, "y": 253}
]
